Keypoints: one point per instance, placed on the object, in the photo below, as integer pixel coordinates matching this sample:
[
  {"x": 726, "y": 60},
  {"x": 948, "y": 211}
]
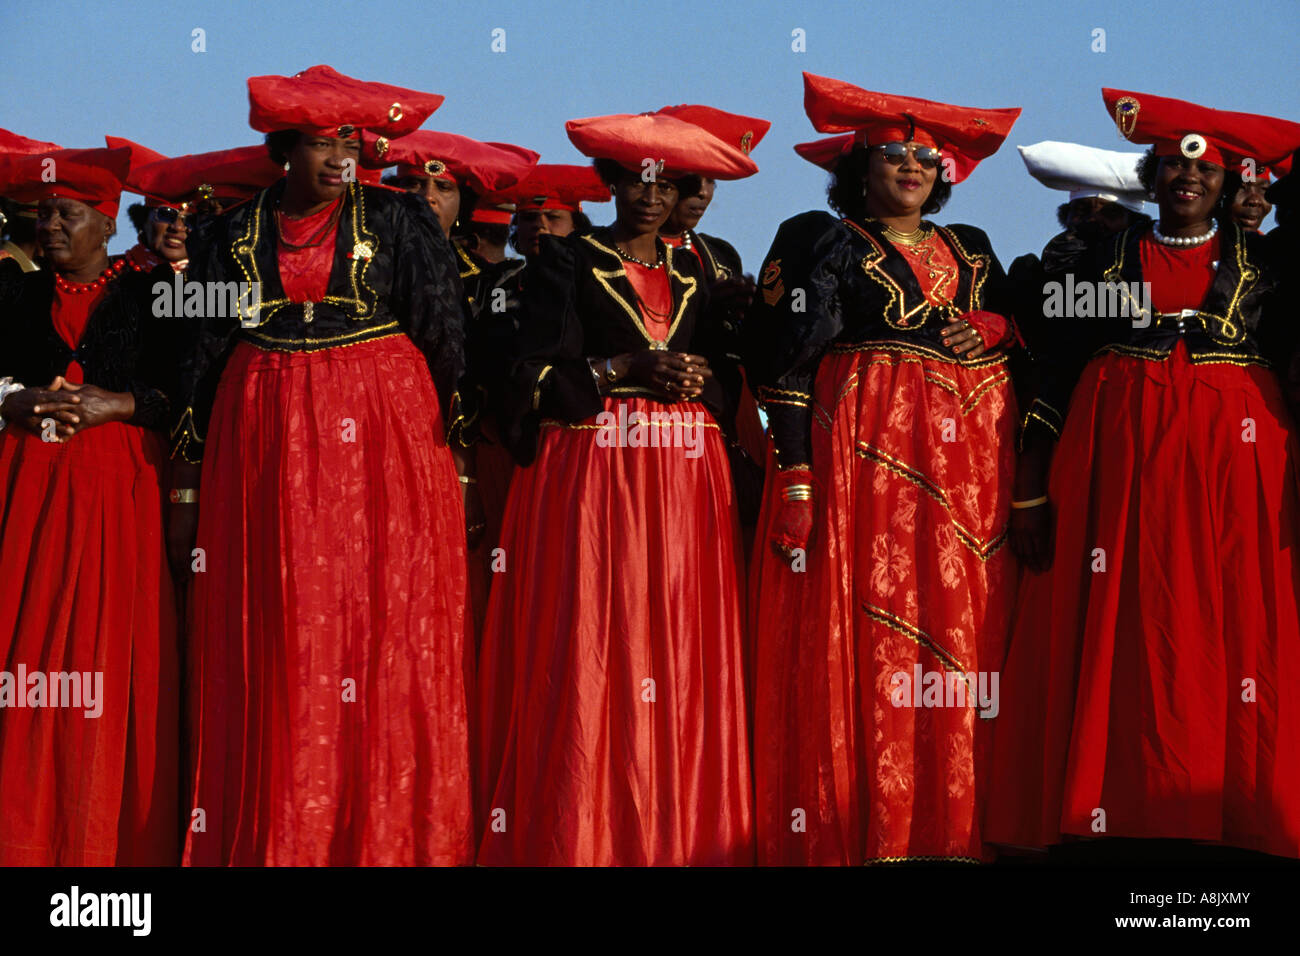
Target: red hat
[
  {"x": 229, "y": 175},
  {"x": 484, "y": 167},
  {"x": 495, "y": 214},
  {"x": 742, "y": 132},
  {"x": 140, "y": 155},
  {"x": 18, "y": 145},
  {"x": 322, "y": 101},
  {"x": 1179, "y": 128},
  {"x": 677, "y": 147},
  {"x": 961, "y": 133},
  {"x": 92, "y": 176},
  {"x": 554, "y": 186}
]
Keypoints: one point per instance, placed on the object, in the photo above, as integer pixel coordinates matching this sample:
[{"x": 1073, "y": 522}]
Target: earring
[{"x": 286, "y": 165}]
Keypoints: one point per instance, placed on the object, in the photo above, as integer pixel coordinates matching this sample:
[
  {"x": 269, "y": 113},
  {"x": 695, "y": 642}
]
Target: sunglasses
[
  {"x": 169, "y": 215},
  {"x": 895, "y": 153}
]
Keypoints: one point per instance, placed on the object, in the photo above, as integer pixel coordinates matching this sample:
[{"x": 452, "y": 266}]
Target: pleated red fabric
[
  {"x": 906, "y": 569},
  {"x": 329, "y": 660},
  {"x": 1149, "y": 687},
  {"x": 495, "y": 469},
  {"x": 610, "y": 682},
  {"x": 84, "y": 588}
]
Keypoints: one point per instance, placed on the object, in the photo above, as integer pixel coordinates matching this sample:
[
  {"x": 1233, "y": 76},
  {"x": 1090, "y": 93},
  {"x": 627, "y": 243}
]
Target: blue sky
[{"x": 78, "y": 70}]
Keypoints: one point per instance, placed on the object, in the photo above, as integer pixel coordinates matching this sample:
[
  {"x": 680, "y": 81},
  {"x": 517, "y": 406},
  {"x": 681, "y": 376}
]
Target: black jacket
[
  {"x": 394, "y": 271},
  {"x": 828, "y": 283},
  {"x": 1231, "y": 325},
  {"x": 125, "y": 347},
  {"x": 578, "y": 303}
]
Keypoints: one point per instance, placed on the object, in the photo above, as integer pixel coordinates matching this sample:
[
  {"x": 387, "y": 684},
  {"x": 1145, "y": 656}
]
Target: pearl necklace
[
  {"x": 105, "y": 277},
  {"x": 627, "y": 256},
  {"x": 1183, "y": 240}
]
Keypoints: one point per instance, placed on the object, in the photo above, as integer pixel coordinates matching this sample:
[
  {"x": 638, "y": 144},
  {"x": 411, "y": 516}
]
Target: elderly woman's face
[
  {"x": 167, "y": 231},
  {"x": 900, "y": 187},
  {"x": 1187, "y": 189},
  {"x": 317, "y": 165},
  {"x": 71, "y": 234}
]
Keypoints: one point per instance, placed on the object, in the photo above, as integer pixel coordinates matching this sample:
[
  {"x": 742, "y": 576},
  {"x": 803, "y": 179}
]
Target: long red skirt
[
  {"x": 611, "y": 682},
  {"x": 328, "y": 664},
  {"x": 84, "y": 588},
  {"x": 1152, "y": 695},
  {"x": 907, "y": 576},
  {"x": 496, "y": 468}
]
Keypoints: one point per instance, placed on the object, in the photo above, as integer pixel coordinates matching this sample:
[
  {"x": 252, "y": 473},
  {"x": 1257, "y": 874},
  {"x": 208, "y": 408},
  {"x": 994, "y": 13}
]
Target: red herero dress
[
  {"x": 328, "y": 675},
  {"x": 1150, "y": 686},
  {"x": 906, "y": 568},
  {"x": 84, "y": 588},
  {"x": 610, "y": 682}
]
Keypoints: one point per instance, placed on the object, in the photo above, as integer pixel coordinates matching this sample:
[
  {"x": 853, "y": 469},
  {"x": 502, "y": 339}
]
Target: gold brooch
[
  {"x": 363, "y": 250},
  {"x": 346, "y": 130},
  {"x": 1126, "y": 114},
  {"x": 746, "y": 141},
  {"x": 395, "y": 112},
  {"x": 381, "y": 146},
  {"x": 435, "y": 167}
]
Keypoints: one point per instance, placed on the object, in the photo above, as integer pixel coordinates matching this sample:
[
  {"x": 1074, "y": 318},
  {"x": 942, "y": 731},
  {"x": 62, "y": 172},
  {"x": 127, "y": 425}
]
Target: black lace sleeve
[
  {"x": 207, "y": 346},
  {"x": 428, "y": 301},
  {"x": 796, "y": 314}
]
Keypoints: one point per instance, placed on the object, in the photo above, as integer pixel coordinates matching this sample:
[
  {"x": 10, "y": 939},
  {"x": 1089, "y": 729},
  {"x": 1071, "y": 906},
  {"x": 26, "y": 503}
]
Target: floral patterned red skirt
[{"x": 870, "y": 746}]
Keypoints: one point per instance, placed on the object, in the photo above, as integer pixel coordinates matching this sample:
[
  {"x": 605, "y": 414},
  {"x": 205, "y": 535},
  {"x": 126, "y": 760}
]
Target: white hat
[{"x": 1086, "y": 172}]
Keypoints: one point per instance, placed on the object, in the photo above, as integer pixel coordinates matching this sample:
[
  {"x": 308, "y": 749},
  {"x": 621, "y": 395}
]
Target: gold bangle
[
  {"x": 797, "y": 493},
  {"x": 466, "y": 480},
  {"x": 1031, "y": 503},
  {"x": 184, "y": 496}
]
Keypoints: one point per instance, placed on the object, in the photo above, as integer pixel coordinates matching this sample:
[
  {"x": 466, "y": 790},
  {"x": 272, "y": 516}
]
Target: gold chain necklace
[{"x": 915, "y": 237}]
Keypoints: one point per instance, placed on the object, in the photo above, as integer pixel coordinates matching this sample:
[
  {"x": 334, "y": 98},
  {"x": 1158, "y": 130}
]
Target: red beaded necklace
[{"x": 105, "y": 277}]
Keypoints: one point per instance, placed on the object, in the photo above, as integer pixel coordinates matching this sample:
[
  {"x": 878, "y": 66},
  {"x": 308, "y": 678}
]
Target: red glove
[
  {"x": 994, "y": 329},
  {"x": 794, "y": 517}
]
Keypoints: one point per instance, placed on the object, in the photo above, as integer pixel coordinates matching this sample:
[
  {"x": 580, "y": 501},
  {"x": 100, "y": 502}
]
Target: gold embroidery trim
[
  {"x": 982, "y": 550},
  {"x": 913, "y": 633},
  {"x": 910, "y": 348},
  {"x": 312, "y": 345},
  {"x": 537, "y": 386},
  {"x": 603, "y": 277},
  {"x": 470, "y": 268}
]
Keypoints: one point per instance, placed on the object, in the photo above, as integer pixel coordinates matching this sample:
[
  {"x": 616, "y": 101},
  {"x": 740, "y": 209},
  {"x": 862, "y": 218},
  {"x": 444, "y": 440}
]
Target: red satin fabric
[
  {"x": 1180, "y": 276},
  {"x": 494, "y": 469},
  {"x": 333, "y": 529},
  {"x": 84, "y": 587},
  {"x": 906, "y": 565},
  {"x": 70, "y": 312},
  {"x": 934, "y": 266},
  {"x": 656, "y": 298},
  {"x": 305, "y": 273},
  {"x": 1123, "y": 688},
  {"x": 624, "y": 567}
]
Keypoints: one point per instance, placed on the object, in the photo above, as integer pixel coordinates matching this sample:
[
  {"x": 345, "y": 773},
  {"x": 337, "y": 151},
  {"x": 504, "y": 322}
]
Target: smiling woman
[
  {"x": 878, "y": 346},
  {"x": 84, "y": 586},
  {"x": 1151, "y": 670}
]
